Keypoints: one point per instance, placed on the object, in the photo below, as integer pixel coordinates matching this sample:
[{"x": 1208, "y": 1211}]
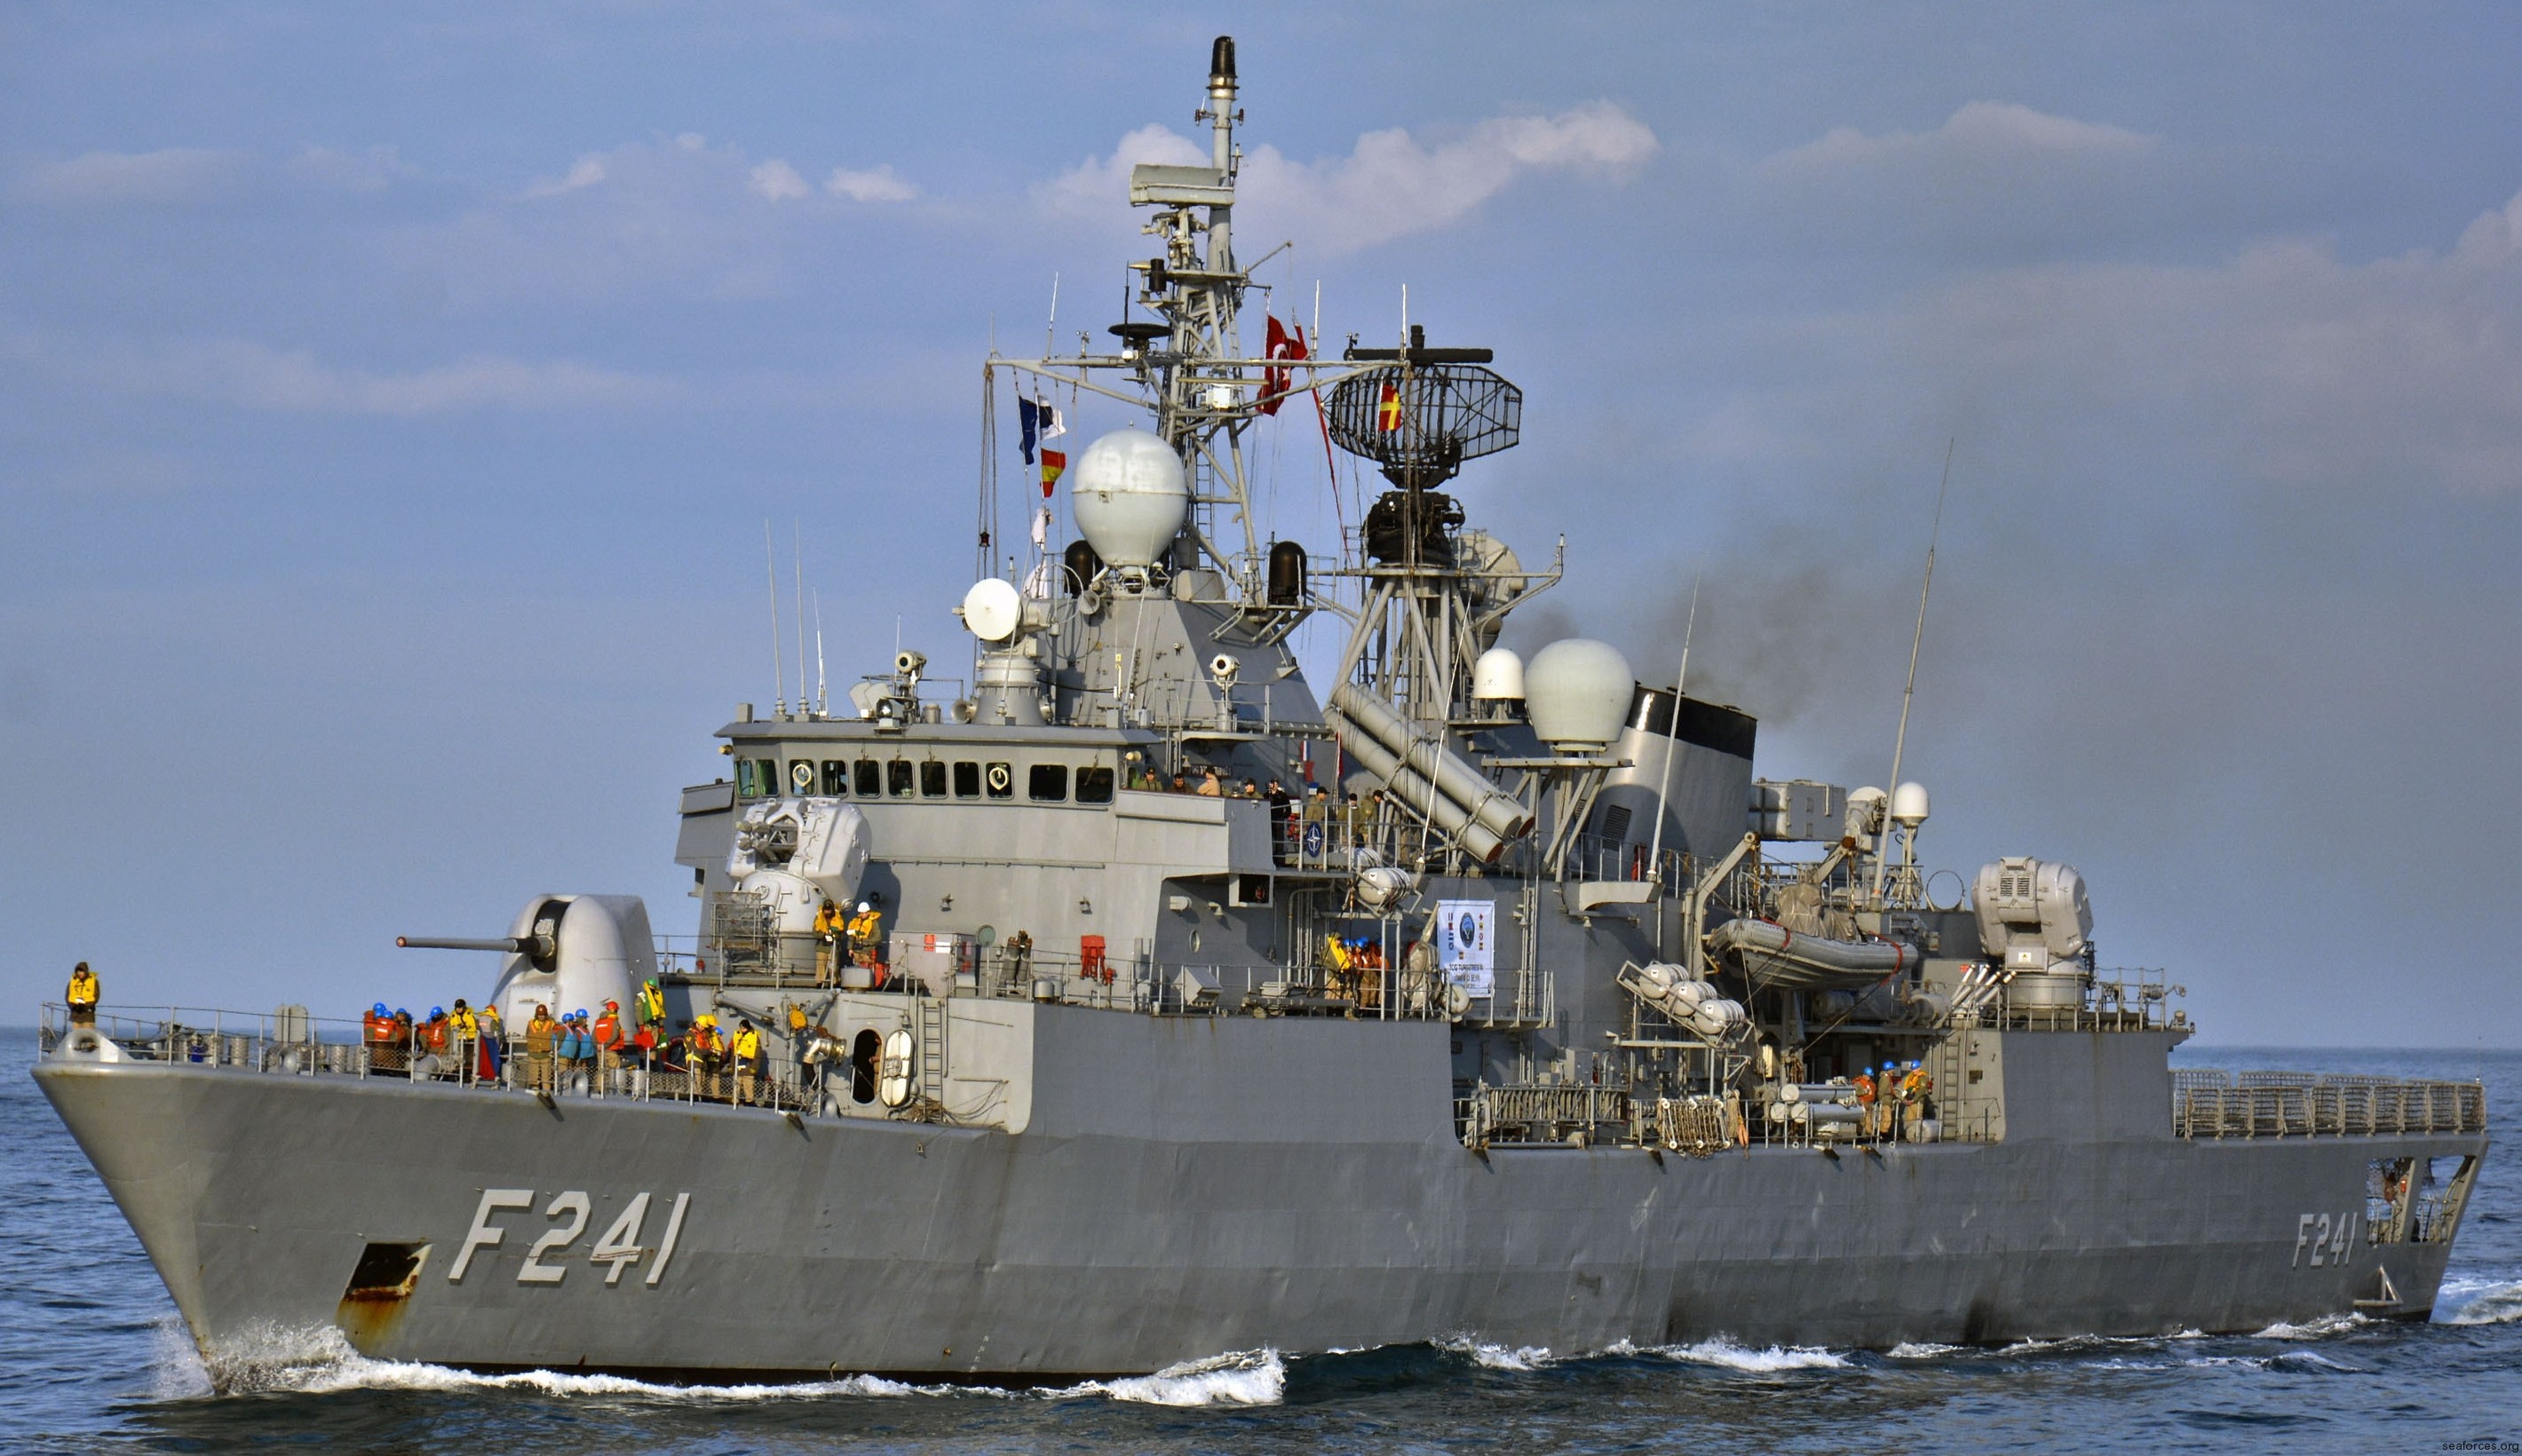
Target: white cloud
[
  {"x": 1392, "y": 184},
  {"x": 2283, "y": 364},
  {"x": 587, "y": 171},
  {"x": 1982, "y": 129},
  {"x": 253, "y": 375},
  {"x": 877, "y": 186},
  {"x": 175, "y": 174},
  {"x": 779, "y": 181}
]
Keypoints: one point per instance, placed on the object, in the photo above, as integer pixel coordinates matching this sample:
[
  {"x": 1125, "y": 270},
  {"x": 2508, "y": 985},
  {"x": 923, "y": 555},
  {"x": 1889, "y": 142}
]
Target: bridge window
[
  {"x": 801, "y": 776},
  {"x": 898, "y": 777},
  {"x": 1048, "y": 782},
  {"x": 1001, "y": 780},
  {"x": 967, "y": 780},
  {"x": 744, "y": 777},
  {"x": 871, "y": 779},
  {"x": 836, "y": 778},
  {"x": 932, "y": 779},
  {"x": 1095, "y": 784}
]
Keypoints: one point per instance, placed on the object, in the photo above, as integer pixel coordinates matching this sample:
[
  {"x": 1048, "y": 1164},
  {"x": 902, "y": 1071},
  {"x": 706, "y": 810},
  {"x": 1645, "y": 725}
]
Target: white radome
[
  {"x": 1576, "y": 692},
  {"x": 993, "y": 609},
  {"x": 1128, "y": 492},
  {"x": 1497, "y": 676}
]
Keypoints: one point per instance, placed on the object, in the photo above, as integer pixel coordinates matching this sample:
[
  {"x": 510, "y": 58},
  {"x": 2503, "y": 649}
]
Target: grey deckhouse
[{"x": 1017, "y": 1037}]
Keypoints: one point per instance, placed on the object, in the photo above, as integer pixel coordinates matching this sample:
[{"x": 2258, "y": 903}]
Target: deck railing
[
  {"x": 2212, "y": 1104},
  {"x": 292, "y": 1043}
]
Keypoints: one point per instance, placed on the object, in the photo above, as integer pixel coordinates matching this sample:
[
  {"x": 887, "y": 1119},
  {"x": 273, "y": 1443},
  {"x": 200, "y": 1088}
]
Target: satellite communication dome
[
  {"x": 1577, "y": 693},
  {"x": 1497, "y": 676},
  {"x": 993, "y": 609},
  {"x": 1909, "y": 804},
  {"x": 1129, "y": 495}
]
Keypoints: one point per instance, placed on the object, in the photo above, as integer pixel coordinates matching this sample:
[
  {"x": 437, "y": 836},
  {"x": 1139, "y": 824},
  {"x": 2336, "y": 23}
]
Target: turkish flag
[{"x": 1284, "y": 345}]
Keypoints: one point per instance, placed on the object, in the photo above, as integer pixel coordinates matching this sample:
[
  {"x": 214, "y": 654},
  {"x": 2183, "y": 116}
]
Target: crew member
[
  {"x": 798, "y": 1037},
  {"x": 81, "y": 996},
  {"x": 830, "y": 925},
  {"x": 493, "y": 1061},
  {"x": 462, "y": 1030},
  {"x": 541, "y": 1033},
  {"x": 379, "y": 1028},
  {"x": 608, "y": 1045},
  {"x": 1865, "y": 1094},
  {"x": 1211, "y": 785},
  {"x": 652, "y": 1005},
  {"x": 704, "y": 1053},
  {"x": 406, "y": 1039},
  {"x": 435, "y": 1035},
  {"x": 748, "y": 1056},
  {"x": 1279, "y": 798},
  {"x": 865, "y": 926}
]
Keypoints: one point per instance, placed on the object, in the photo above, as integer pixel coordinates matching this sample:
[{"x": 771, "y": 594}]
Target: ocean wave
[
  {"x": 2478, "y": 1301},
  {"x": 2313, "y": 1329},
  {"x": 1914, "y": 1350}
]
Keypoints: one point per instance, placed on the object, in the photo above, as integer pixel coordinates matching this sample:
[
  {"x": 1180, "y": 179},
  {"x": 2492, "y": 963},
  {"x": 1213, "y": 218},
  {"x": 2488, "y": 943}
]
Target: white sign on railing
[{"x": 1467, "y": 944}]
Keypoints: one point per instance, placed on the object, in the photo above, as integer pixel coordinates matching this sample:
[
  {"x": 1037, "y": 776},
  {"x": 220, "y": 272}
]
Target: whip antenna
[
  {"x": 1900, "y": 740},
  {"x": 778, "y": 681},
  {"x": 797, "y": 542},
  {"x": 1672, "y": 734}
]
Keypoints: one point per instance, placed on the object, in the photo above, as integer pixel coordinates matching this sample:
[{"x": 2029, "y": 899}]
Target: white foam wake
[
  {"x": 1769, "y": 1359},
  {"x": 1500, "y": 1357},
  {"x": 2478, "y": 1301},
  {"x": 1915, "y": 1349},
  {"x": 2313, "y": 1329},
  {"x": 321, "y": 1361}
]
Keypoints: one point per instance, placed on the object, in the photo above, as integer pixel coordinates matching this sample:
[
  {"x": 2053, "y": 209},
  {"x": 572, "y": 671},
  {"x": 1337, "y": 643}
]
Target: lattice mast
[{"x": 1434, "y": 592}]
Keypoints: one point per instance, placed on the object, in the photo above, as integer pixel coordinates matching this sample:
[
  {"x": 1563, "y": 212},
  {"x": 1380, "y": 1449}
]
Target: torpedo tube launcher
[{"x": 1563, "y": 1036}]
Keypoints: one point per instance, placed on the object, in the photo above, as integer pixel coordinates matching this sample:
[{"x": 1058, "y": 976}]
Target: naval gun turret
[{"x": 565, "y": 952}]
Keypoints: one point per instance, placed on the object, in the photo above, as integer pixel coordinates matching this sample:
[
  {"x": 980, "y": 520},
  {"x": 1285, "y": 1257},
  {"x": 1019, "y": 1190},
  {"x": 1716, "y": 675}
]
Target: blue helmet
[
  {"x": 399, "y": 1011},
  {"x": 381, "y": 1009},
  {"x": 435, "y": 1012},
  {"x": 579, "y": 1014}
]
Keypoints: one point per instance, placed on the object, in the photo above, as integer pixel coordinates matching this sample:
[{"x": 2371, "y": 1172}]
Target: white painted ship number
[
  {"x": 2321, "y": 1239},
  {"x": 619, "y": 1247}
]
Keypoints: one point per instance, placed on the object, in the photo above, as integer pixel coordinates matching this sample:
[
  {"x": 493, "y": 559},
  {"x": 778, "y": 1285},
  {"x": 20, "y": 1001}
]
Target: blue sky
[{"x": 391, "y": 404}]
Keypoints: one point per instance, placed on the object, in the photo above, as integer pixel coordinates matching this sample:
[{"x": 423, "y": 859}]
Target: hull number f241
[
  {"x": 2323, "y": 1239},
  {"x": 569, "y": 1212}
]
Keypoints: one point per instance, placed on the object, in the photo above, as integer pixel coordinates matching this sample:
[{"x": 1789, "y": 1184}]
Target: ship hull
[{"x": 1150, "y": 1220}]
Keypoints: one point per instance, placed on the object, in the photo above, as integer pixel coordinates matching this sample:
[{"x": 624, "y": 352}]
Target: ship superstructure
[{"x": 1544, "y": 1019}]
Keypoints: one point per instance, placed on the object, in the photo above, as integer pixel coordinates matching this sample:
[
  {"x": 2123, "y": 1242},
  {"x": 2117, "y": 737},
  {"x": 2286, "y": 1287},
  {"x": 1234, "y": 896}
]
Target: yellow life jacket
[
  {"x": 748, "y": 1045},
  {"x": 82, "y": 988}
]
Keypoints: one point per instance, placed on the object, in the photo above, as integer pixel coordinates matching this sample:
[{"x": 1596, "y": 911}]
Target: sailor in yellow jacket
[
  {"x": 82, "y": 996},
  {"x": 748, "y": 1056}
]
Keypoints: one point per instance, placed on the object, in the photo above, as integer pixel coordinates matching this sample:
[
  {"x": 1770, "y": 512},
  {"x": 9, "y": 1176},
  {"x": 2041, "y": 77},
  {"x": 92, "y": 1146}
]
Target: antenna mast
[
  {"x": 779, "y": 682},
  {"x": 797, "y": 541},
  {"x": 1672, "y": 735},
  {"x": 1900, "y": 740}
]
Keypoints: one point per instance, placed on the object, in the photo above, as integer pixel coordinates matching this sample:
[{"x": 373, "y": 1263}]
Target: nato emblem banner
[{"x": 1467, "y": 944}]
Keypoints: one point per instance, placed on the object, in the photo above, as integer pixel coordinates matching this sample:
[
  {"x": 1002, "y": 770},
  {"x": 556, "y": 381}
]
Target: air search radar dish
[
  {"x": 1129, "y": 495},
  {"x": 993, "y": 609}
]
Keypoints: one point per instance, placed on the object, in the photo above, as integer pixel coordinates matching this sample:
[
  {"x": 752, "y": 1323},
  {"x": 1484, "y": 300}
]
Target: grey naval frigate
[{"x": 1077, "y": 1058}]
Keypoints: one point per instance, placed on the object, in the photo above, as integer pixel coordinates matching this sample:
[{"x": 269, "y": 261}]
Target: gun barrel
[{"x": 509, "y": 944}]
